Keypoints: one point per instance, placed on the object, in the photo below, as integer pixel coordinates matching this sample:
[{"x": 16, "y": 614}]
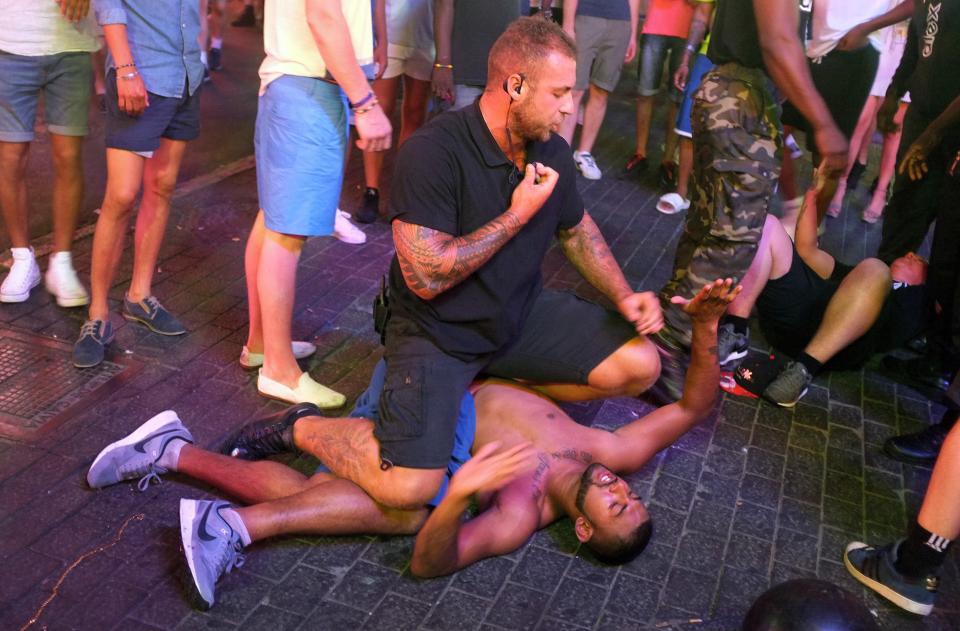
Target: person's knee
[
  {"x": 66, "y": 158},
  {"x": 875, "y": 271},
  {"x": 631, "y": 370},
  {"x": 13, "y": 159},
  {"x": 409, "y": 489},
  {"x": 118, "y": 200},
  {"x": 598, "y": 93},
  {"x": 161, "y": 183}
]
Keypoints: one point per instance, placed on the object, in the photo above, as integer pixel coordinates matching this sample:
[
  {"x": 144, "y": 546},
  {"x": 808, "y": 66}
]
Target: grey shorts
[
  {"x": 65, "y": 79},
  {"x": 653, "y": 52},
  {"x": 601, "y": 47}
]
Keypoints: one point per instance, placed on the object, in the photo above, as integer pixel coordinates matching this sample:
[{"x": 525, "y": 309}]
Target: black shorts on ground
[
  {"x": 791, "y": 310},
  {"x": 843, "y": 79},
  {"x": 563, "y": 339},
  {"x": 165, "y": 117}
]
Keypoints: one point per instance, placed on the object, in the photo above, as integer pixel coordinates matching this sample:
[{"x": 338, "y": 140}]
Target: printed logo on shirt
[{"x": 933, "y": 27}]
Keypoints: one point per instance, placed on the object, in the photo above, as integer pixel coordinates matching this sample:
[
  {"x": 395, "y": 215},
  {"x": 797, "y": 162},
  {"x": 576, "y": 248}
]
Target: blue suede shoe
[
  {"x": 90, "y": 347},
  {"x": 151, "y": 314}
]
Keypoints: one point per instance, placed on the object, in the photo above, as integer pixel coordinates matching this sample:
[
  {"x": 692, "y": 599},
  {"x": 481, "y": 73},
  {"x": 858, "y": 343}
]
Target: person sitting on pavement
[
  {"x": 906, "y": 572},
  {"x": 540, "y": 464},
  {"x": 818, "y": 310},
  {"x": 153, "y": 109},
  {"x": 44, "y": 48}
]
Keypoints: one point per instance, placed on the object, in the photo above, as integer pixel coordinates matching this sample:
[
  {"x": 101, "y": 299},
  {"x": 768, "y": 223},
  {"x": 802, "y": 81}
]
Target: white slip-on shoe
[
  {"x": 61, "y": 281},
  {"x": 344, "y": 229},
  {"x": 255, "y": 360},
  {"x": 307, "y": 391},
  {"x": 24, "y": 275}
]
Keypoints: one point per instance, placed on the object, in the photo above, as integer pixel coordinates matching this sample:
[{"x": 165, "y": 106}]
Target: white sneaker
[
  {"x": 24, "y": 275},
  {"x": 307, "y": 391},
  {"x": 344, "y": 229},
  {"x": 61, "y": 281},
  {"x": 255, "y": 360},
  {"x": 587, "y": 165}
]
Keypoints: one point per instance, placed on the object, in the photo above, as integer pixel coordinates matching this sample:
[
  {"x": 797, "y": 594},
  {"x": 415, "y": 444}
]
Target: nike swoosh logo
[
  {"x": 139, "y": 446},
  {"x": 202, "y": 530}
]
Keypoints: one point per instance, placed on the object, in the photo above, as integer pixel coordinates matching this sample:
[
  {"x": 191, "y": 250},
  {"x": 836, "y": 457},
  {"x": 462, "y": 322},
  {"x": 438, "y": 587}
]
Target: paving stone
[
  {"x": 811, "y": 415},
  {"x": 768, "y": 439},
  {"x": 842, "y": 514},
  {"x": 730, "y": 436},
  {"x": 397, "y": 613},
  {"x": 689, "y": 590},
  {"x": 270, "y": 619},
  {"x": 796, "y": 549},
  {"x": 759, "y": 490},
  {"x": 844, "y": 438},
  {"x": 540, "y": 569},
  {"x": 682, "y": 464},
  {"x": 674, "y": 492},
  {"x": 633, "y": 598},
  {"x": 844, "y": 487},
  {"x": 336, "y": 554},
  {"x": 577, "y": 603},
  {"x": 775, "y": 417},
  {"x": 802, "y": 487},
  {"x": 738, "y": 589},
  {"x": 484, "y": 578},
  {"x": 808, "y": 438},
  {"x": 593, "y": 571},
  {"x": 800, "y": 516},
  {"x": 332, "y": 616},
  {"x": 301, "y": 589},
  {"x": 654, "y": 563},
  {"x": 699, "y": 552},
  {"x": 716, "y": 490},
  {"x": 457, "y": 611},
  {"x": 725, "y": 463},
  {"x": 738, "y": 415},
  {"x": 848, "y": 462},
  {"x": 710, "y": 519},
  {"x": 363, "y": 585},
  {"x": 765, "y": 463},
  {"x": 517, "y": 607},
  {"x": 748, "y": 553},
  {"x": 883, "y": 510},
  {"x": 757, "y": 521}
]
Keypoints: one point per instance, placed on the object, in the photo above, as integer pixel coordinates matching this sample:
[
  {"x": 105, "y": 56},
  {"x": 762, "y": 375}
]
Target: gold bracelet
[
  {"x": 366, "y": 108},
  {"x": 447, "y": 66},
  {"x": 128, "y": 76}
]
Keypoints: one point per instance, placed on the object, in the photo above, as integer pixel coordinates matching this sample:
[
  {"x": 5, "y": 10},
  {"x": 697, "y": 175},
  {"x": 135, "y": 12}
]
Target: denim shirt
[{"x": 163, "y": 40}]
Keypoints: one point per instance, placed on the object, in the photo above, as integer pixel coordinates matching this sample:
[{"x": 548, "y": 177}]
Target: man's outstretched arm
[
  {"x": 586, "y": 248},
  {"x": 634, "y": 444},
  {"x": 446, "y": 543}
]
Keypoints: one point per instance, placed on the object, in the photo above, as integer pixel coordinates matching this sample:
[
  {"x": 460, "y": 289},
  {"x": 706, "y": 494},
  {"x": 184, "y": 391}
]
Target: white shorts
[{"x": 418, "y": 65}]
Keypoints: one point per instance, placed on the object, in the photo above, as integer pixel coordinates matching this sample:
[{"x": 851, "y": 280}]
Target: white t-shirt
[
  {"x": 290, "y": 46},
  {"x": 832, "y": 19},
  {"x": 409, "y": 28},
  {"x": 35, "y": 27}
]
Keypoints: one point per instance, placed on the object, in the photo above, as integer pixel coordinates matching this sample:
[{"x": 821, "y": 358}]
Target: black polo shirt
[
  {"x": 733, "y": 36},
  {"x": 452, "y": 176}
]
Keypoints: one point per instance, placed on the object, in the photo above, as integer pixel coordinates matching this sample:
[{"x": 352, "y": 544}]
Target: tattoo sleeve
[
  {"x": 586, "y": 248},
  {"x": 432, "y": 261}
]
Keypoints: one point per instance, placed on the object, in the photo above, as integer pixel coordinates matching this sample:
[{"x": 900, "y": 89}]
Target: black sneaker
[
  {"x": 90, "y": 347},
  {"x": 918, "y": 448},
  {"x": 874, "y": 567},
  {"x": 370, "y": 210},
  {"x": 213, "y": 59},
  {"x": 673, "y": 368},
  {"x": 731, "y": 345},
  {"x": 150, "y": 313},
  {"x": 247, "y": 18},
  {"x": 268, "y": 436},
  {"x": 789, "y": 386}
]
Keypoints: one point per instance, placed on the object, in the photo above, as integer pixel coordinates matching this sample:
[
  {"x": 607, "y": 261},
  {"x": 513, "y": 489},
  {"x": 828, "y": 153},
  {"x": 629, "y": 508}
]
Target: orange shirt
[{"x": 668, "y": 17}]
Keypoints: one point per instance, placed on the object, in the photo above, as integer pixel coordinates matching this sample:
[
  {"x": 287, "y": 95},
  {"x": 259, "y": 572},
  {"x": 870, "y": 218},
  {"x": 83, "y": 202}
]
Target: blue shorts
[
  {"x": 65, "y": 80},
  {"x": 300, "y": 140},
  {"x": 367, "y": 407},
  {"x": 701, "y": 65},
  {"x": 653, "y": 52},
  {"x": 175, "y": 118}
]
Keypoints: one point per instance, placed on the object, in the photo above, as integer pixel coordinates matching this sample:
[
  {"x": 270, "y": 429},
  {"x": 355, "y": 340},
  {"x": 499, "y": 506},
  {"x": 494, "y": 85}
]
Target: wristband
[
  {"x": 691, "y": 48},
  {"x": 128, "y": 76},
  {"x": 370, "y": 96},
  {"x": 366, "y": 108},
  {"x": 125, "y": 66}
]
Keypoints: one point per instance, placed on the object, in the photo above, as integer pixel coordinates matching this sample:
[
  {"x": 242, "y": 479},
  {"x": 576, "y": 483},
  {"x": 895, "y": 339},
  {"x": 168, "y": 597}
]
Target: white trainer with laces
[
  {"x": 587, "y": 165},
  {"x": 344, "y": 229},
  {"x": 24, "y": 275},
  {"x": 61, "y": 281}
]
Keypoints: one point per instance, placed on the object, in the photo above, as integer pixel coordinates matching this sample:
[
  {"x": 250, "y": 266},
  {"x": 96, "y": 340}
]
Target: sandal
[
  {"x": 672, "y": 203},
  {"x": 636, "y": 162},
  {"x": 871, "y": 217}
]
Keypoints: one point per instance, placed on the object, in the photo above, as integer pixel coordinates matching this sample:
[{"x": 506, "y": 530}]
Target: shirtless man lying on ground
[{"x": 532, "y": 464}]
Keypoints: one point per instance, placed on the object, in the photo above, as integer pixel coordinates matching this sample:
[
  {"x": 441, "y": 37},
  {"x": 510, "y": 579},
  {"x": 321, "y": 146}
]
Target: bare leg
[
  {"x": 13, "y": 191},
  {"x": 569, "y": 125},
  {"x": 285, "y": 501},
  {"x": 852, "y": 310},
  {"x": 416, "y": 94},
  {"x": 67, "y": 188},
  {"x": 670, "y": 135},
  {"x": 159, "y": 180},
  {"x": 251, "y": 264},
  {"x": 124, "y": 174},
  {"x": 348, "y": 447},
  {"x": 276, "y": 290},
  {"x": 888, "y": 162},
  {"x": 593, "y": 115},
  {"x": 630, "y": 370},
  {"x": 386, "y": 92},
  {"x": 940, "y": 512},
  {"x": 686, "y": 166},
  {"x": 644, "y": 113}
]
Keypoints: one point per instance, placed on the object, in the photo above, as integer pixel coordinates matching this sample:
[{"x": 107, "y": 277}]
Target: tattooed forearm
[
  {"x": 586, "y": 248},
  {"x": 433, "y": 261}
]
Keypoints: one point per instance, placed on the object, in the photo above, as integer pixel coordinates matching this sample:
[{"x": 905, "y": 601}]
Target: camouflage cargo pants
[{"x": 736, "y": 166}]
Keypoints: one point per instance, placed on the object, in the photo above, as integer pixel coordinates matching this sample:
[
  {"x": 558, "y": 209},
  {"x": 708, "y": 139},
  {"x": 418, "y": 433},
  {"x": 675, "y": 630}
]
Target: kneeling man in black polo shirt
[{"x": 478, "y": 196}]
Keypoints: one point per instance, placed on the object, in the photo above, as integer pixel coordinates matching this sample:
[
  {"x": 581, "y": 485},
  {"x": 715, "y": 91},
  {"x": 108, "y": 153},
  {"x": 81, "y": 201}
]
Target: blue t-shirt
[{"x": 610, "y": 9}]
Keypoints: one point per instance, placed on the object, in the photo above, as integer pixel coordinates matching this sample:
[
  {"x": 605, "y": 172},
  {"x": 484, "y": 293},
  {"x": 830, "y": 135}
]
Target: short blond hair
[{"x": 524, "y": 46}]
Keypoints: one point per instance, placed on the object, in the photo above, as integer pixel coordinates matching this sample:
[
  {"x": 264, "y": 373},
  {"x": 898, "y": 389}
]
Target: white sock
[
  {"x": 170, "y": 457},
  {"x": 216, "y": 42},
  {"x": 61, "y": 258},
  {"x": 232, "y": 517},
  {"x": 203, "y": 57},
  {"x": 21, "y": 253}
]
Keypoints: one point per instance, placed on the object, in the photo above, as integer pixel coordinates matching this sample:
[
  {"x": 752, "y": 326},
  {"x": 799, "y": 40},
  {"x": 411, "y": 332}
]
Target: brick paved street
[{"x": 753, "y": 496}]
